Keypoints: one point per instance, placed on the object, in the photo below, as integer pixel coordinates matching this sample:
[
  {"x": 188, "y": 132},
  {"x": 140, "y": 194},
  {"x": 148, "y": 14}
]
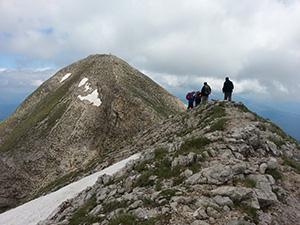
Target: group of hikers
[{"x": 196, "y": 97}]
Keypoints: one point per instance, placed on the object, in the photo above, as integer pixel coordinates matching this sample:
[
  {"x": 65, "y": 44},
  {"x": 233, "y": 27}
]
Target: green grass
[
  {"x": 143, "y": 180},
  {"x": 113, "y": 205},
  {"x": 278, "y": 142},
  {"x": 158, "y": 185},
  {"x": 217, "y": 112},
  {"x": 247, "y": 182},
  {"x": 81, "y": 215},
  {"x": 243, "y": 108},
  {"x": 142, "y": 166},
  {"x": 250, "y": 183},
  {"x": 220, "y": 124},
  {"x": 251, "y": 212},
  {"x": 124, "y": 219},
  {"x": 194, "y": 166},
  {"x": 57, "y": 113},
  {"x": 162, "y": 166},
  {"x": 151, "y": 102},
  {"x": 178, "y": 180},
  {"x": 160, "y": 153},
  {"x": 292, "y": 163},
  {"x": 168, "y": 193},
  {"x": 129, "y": 219},
  {"x": 194, "y": 145},
  {"x": 275, "y": 173},
  {"x": 276, "y": 129},
  {"x": 148, "y": 202},
  {"x": 163, "y": 169},
  {"x": 38, "y": 114}
]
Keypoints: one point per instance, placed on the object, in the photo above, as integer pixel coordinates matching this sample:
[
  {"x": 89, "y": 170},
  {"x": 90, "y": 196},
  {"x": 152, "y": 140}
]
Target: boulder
[
  {"x": 223, "y": 201},
  {"x": 265, "y": 198},
  {"x": 200, "y": 214},
  {"x": 272, "y": 163},
  {"x": 217, "y": 174},
  {"x": 263, "y": 167},
  {"x": 234, "y": 193},
  {"x": 211, "y": 212}
]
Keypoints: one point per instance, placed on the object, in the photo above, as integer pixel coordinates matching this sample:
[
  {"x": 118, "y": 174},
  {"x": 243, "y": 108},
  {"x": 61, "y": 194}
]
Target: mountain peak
[{"x": 74, "y": 120}]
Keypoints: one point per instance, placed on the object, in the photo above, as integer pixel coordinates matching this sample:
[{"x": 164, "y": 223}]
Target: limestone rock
[
  {"x": 86, "y": 109},
  {"x": 234, "y": 193}
]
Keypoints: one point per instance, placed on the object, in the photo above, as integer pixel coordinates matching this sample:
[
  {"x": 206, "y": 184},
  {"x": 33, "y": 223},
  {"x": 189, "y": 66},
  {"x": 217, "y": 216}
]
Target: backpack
[
  {"x": 188, "y": 96},
  {"x": 206, "y": 90}
]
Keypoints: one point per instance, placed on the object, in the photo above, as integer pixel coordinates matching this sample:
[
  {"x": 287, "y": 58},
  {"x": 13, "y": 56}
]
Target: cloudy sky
[{"x": 179, "y": 43}]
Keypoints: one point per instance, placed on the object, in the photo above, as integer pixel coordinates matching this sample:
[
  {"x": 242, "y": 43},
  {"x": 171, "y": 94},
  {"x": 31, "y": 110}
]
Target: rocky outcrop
[
  {"x": 213, "y": 165},
  {"x": 77, "y": 120}
]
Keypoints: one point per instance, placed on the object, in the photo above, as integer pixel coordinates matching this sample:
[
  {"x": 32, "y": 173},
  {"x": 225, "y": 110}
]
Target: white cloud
[
  {"x": 280, "y": 87},
  {"x": 37, "y": 82},
  {"x": 22, "y": 79},
  {"x": 3, "y": 70},
  {"x": 43, "y": 69},
  {"x": 251, "y": 86},
  {"x": 254, "y": 42}
]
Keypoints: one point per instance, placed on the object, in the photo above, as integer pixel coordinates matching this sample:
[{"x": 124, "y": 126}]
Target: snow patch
[
  {"x": 65, "y": 77},
  {"x": 41, "y": 208},
  {"x": 87, "y": 87},
  {"x": 92, "y": 98},
  {"x": 83, "y": 81}
]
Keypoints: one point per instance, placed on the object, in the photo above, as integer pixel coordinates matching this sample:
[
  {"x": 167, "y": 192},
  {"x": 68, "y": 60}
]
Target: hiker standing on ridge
[
  {"x": 227, "y": 89},
  {"x": 190, "y": 97},
  {"x": 197, "y": 98},
  {"x": 205, "y": 92}
]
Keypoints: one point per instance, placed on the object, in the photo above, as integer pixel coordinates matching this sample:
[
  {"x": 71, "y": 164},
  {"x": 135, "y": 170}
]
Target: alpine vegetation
[
  {"x": 192, "y": 170},
  {"x": 75, "y": 123},
  {"x": 217, "y": 163}
]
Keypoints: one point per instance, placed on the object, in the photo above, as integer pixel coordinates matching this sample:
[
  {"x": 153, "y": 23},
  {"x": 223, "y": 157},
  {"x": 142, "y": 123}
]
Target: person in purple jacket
[{"x": 190, "y": 97}]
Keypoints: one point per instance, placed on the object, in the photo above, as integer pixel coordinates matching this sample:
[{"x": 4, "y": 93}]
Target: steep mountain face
[
  {"x": 217, "y": 164},
  {"x": 75, "y": 120}
]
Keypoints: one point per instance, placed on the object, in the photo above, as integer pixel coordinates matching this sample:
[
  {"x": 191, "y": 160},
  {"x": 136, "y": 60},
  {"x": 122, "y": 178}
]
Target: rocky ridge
[
  {"x": 75, "y": 121},
  {"x": 217, "y": 164}
]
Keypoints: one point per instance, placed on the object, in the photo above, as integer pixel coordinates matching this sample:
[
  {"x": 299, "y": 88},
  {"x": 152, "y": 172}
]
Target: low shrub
[{"x": 194, "y": 145}]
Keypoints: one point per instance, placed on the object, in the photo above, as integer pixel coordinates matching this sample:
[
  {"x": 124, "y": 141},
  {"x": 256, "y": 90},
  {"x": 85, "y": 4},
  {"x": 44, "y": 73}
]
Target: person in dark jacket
[
  {"x": 227, "y": 89},
  {"x": 190, "y": 97},
  {"x": 197, "y": 98},
  {"x": 205, "y": 92}
]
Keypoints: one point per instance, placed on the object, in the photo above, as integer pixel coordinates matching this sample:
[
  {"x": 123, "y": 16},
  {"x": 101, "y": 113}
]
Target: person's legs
[
  {"x": 204, "y": 99},
  {"x": 191, "y": 105},
  {"x": 229, "y": 96}
]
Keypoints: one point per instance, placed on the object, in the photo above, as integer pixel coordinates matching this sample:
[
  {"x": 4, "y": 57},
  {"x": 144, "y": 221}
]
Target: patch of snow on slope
[
  {"x": 92, "y": 98},
  {"x": 65, "y": 77},
  {"x": 41, "y": 208},
  {"x": 83, "y": 81},
  {"x": 87, "y": 87}
]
